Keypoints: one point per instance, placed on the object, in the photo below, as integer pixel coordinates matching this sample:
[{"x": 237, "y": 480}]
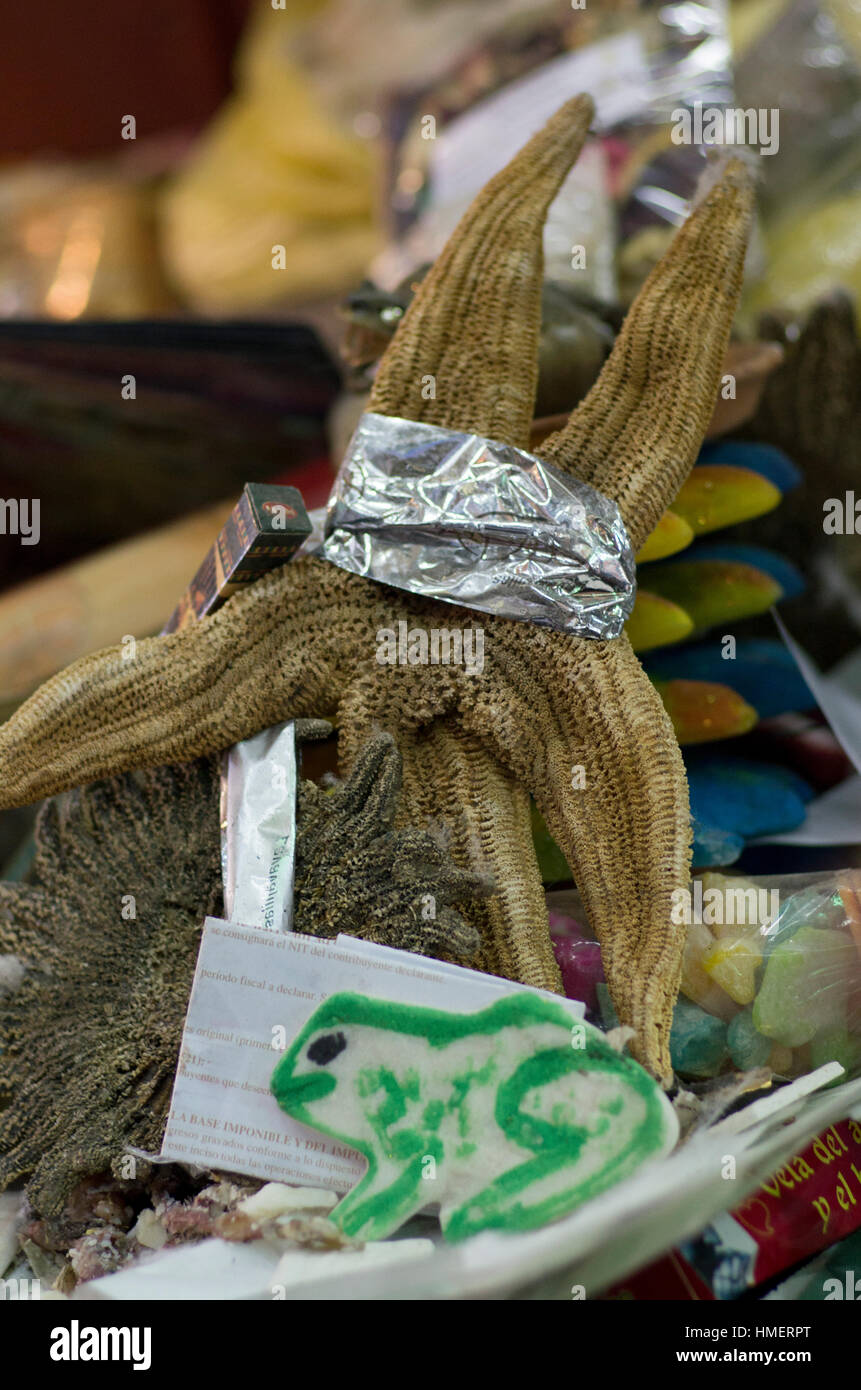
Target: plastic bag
[
  {"x": 771, "y": 974},
  {"x": 447, "y": 136}
]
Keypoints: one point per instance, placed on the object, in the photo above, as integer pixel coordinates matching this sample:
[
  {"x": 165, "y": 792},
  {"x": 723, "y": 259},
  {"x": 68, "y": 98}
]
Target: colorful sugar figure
[{"x": 509, "y": 1117}]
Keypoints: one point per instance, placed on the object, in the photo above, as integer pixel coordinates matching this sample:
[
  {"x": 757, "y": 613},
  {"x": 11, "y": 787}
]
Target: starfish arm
[
  {"x": 576, "y": 724},
  {"x": 626, "y": 834},
  {"x": 636, "y": 435},
  {"x": 449, "y": 777},
  {"x": 451, "y": 782},
  {"x": 474, "y": 323},
  {"x": 279, "y": 650}
]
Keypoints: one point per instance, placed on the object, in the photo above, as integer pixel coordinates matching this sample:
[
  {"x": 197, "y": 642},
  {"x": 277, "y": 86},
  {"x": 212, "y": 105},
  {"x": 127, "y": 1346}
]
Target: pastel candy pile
[
  {"x": 508, "y": 1118},
  {"x": 787, "y": 988},
  {"x": 747, "y": 1047},
  {"x": 698, "y": 1042},
  {"x": 732, "y": 963},
  {"x": 765, "y": 982},
  {"x": 805, "y": 987}
]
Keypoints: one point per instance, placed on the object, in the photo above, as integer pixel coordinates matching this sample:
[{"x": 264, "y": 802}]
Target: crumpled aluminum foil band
[{"x": 468, "y": 520}]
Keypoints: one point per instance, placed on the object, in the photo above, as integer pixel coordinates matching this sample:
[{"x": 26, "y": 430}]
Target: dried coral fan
[
  {"x": 302, "y": 641},
  {"x": 356, "y": 874},
  {"x": 91, "y": 1036},
  {"x": 89, "y": 1041},
  {"x": 811, "y": 406}
]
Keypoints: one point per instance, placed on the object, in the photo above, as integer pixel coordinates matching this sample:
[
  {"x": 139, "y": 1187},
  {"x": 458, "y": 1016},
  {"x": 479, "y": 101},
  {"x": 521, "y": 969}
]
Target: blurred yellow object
[
  {"x": 78, "y": 241},
  {"x": 696, "y": 984},
  {"x": 275, "y": 169},
  {"x": 810, "y": 254},
  {"x": 847, "y": 16},
  {"x": 656, "y": 622},
  {"x": 50, "y": 621},
  {"x": 748, "y": 19}
]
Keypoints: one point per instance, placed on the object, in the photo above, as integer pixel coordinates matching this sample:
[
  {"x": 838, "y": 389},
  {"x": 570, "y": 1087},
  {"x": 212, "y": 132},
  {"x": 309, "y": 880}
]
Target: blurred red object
[{"x": 70, "y": 73}]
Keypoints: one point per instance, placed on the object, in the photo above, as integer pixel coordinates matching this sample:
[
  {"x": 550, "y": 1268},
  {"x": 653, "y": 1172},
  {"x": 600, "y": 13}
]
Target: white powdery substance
[{"x": 12, "y": 973}]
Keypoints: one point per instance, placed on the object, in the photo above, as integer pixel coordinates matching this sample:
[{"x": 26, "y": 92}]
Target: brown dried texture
[
  {"x": 89, "y": 1040},
  {"x": 356, "y": 874},
  {"x": 811, "y": 405},
  {"x": 487, "y": 811},
  {"x": 303, "y": 640}
]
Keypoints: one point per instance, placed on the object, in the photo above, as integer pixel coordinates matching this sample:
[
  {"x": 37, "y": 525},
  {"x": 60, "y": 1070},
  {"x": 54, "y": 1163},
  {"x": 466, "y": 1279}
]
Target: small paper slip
[{"x": 252, "y": 992}]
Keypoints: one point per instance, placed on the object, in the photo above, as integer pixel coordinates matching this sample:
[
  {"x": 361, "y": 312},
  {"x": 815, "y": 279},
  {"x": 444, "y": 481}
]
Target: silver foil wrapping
[
  {"x": 471, "y": 521},
  {"x": 258, "y": 828}
]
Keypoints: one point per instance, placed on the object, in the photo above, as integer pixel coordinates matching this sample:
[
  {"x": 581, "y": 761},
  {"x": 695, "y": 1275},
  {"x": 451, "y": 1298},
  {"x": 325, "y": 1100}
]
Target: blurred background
[{"x": 214, "y": 213}]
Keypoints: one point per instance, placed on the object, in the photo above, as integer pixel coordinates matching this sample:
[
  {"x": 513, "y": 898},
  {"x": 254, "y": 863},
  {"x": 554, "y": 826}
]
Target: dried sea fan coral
[
  {"x": 811, "y": 406},
  {"x": 356, "y": 874},
  {"x": 108, "y": 930},
  {"x": 302, "y": 641},
  {"x": 89, "y": 1039}
]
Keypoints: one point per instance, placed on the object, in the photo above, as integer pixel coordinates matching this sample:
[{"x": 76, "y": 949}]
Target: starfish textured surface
[
  {"x": 303, "y": 640},
  {"x": 356, "y": 873}
]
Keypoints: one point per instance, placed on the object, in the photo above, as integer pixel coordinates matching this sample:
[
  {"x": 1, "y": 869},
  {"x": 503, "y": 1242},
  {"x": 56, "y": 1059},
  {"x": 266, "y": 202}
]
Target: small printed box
[{"x": 266, "y": 527}]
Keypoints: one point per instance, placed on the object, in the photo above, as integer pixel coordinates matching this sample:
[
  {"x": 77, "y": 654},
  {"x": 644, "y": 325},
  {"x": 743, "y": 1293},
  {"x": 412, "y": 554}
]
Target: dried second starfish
[
  {"x": 89, "y": 1038},
  {"x": 356, "y": 874},
  {"x": 302, "y": 641}
]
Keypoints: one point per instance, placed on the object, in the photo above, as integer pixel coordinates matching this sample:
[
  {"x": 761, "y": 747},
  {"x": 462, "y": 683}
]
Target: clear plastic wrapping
[
  {"x": 258, "y": 828},
  {"x": 771, "y": 974},
  {"x": 640, "y": 63}
]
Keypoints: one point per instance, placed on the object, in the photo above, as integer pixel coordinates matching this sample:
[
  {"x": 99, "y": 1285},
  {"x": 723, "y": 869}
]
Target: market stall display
[{"x": 430, "y": 701}]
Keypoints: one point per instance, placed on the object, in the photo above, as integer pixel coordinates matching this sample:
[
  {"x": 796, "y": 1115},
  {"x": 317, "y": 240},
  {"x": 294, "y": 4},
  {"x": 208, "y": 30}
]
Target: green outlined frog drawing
[{"x": 508, "y": 1118}]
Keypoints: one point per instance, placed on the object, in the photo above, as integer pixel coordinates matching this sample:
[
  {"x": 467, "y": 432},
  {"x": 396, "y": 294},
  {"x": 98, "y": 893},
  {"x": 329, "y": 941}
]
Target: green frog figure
[{"x": 508, "y": 1118}]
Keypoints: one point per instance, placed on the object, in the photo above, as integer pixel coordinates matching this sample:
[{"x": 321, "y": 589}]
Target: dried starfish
[
  {"x": 355, "y": 874},
  {"x": 302, "y": 641}
]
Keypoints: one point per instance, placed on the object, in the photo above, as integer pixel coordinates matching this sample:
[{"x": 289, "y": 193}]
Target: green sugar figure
[{"x": 508, "y": 1118}]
